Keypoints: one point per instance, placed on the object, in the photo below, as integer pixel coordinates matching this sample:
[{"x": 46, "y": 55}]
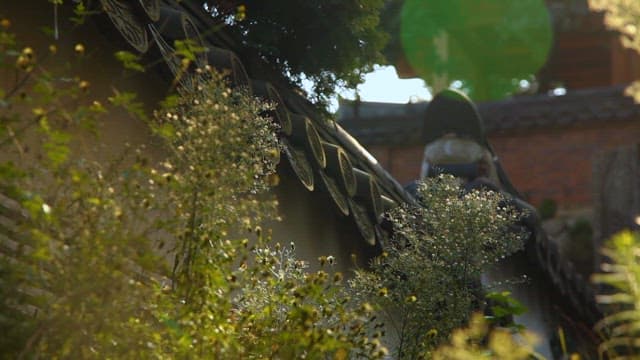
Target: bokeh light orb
[{"x": 489, "y": 45}]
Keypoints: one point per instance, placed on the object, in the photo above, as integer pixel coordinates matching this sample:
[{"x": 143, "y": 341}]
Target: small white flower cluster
[{"x": 429, "y": 277}]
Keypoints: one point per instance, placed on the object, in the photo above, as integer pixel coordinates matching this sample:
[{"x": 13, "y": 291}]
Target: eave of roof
[
  {"x": 585, "y": 106},
  {"x": 306, "y": 131},
  {"x": 379, "y": 123}
]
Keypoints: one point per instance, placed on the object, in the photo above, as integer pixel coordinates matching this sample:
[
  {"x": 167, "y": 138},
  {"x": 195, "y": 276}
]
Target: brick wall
[
  {"x": 558, "y": 163},
  {"x": 554, "y": 163},
  {"x": 402, "y": 162}
]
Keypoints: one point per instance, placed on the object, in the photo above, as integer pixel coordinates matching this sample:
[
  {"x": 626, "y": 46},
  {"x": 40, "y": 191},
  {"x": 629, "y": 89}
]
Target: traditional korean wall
[
  {"x": 403, "y": 162},
  {"x": 557, "y": 163},
  {"x": 312, "y": 221},
  {"x": 546, "y": 163}
]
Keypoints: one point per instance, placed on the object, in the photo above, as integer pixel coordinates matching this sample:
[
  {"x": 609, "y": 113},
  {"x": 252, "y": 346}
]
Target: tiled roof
[
  {"x": 378, "y": 123},
  {"x": 383, "y": 123},
  {"x": 582, "y": 107},
  {"x": 323, "y": 156}
]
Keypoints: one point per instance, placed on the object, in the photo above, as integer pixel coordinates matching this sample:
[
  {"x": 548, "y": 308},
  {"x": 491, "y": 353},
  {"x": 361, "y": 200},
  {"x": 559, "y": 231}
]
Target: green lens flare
[{"x": 487, "y": 44}]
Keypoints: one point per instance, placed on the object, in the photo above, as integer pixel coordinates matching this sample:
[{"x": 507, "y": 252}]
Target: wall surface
[
  {"x": 553, "y": 163},
  {"x": 403, "y": 162},
  {"x": 96, "y": 65},
  {"x": 557, "y": 163}
]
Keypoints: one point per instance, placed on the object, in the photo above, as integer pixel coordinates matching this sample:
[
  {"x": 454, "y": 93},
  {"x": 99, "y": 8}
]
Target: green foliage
[
  {"x": 622, "y": 16},
  {"x": 581, "y": 230},
  {"x": 187, "y": 49},
  {"x": 503, "y": 307},
  {"x": 292, "y": 314},
  {"x": 223, "y": 155},
  {"x": 620, "y": 326},
  {"x": 548, "y": 209},
  {"x": 506, "y": 305},
  {"x": 580, "y": 249},
  {"x": 129, "y": 60},
  {"x": 133, "y": 258},
  {"x": 622, "y": 275},
  {"x": 76, "y": 255},
  {"x": 80, "y": 13},
  {"x": 428, "y": 281},
  {"x": 478, "y": 342},
  {"x": 127, "y": 100},
  {"x": 330, "y": 42}
]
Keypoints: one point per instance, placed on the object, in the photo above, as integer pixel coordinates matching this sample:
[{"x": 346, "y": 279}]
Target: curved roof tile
[{"x": 305, "y": 128}]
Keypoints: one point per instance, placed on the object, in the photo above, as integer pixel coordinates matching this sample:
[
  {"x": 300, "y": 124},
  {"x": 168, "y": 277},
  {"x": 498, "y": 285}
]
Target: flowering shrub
[
  {"x": 428, "y": 282},
  {"x": 477, "y": 341},
  {"x": 620, "y": 297},
  {"x": 291, "y": 313},
  {"x": 622, "y": 16},
  {"x": 140, "y": 258}
]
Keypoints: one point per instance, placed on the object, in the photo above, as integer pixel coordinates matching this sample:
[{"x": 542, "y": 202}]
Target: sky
[{"x": 383, "y": 85}]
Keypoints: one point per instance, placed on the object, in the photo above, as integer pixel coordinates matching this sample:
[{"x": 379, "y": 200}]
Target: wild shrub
[
  {"x": 620, "y": 295},
  {"x": 427, "y": 283},
  {"x": 138, "y": 258}
]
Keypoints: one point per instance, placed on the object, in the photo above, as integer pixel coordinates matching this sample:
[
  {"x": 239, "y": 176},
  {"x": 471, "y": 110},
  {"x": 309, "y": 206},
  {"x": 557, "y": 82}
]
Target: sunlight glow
[{"x": 383, "y": 85}]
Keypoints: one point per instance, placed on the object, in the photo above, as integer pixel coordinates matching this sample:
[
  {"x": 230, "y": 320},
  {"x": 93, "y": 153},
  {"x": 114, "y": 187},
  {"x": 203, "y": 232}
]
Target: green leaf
[
  {"x": 129, "y": 60},
  {"x": 188, "y": 49},
  {"x": 127, "y": 100},
  {"x": 619, "y": 298},
  {"x": 167, "y": 131},
  {"x": 81, "y": 14},
  {"x": 170, "y": 101}
]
